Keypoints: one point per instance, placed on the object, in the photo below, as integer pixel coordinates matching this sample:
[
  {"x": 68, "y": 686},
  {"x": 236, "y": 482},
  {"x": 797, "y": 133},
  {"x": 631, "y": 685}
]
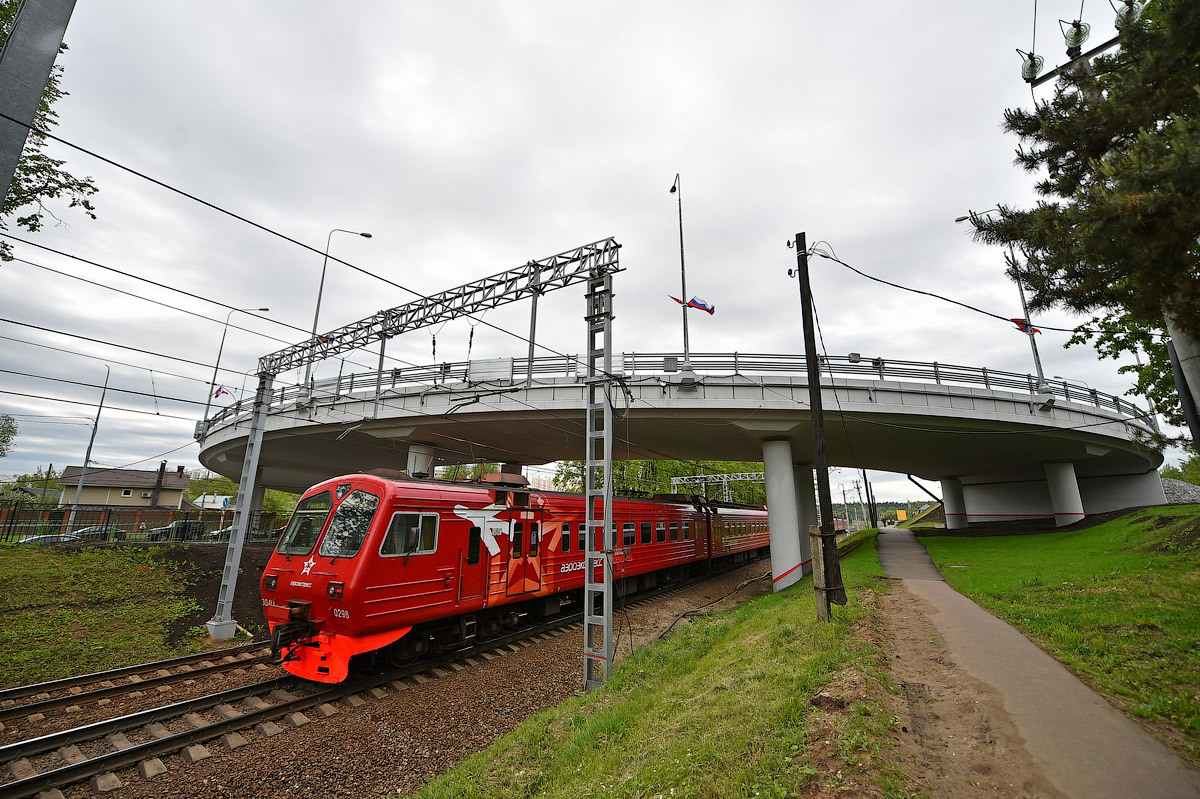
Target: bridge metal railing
[{"x": 513, "y": 371}]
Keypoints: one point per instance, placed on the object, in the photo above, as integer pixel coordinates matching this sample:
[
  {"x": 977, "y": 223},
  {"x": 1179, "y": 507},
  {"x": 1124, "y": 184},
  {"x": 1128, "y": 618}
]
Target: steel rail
[
  {"x": 114, "y": 690},
  {"x": 21, "y": 691}
]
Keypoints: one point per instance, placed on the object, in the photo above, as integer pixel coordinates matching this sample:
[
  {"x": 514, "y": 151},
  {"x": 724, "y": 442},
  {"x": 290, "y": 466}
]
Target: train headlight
[
  {"x": 270, "y": 581},
  {"x": 335, "y": 590}
]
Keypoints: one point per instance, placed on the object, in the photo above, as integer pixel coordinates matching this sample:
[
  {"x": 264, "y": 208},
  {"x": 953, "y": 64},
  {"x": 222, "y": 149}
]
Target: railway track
[
  {"x": 95, "y": 752},
  {"x": 45, "y": 697}
]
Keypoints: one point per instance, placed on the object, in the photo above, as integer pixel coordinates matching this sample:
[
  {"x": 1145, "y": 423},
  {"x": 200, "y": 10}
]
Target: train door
[
  {"x": 524, "y": 549},
  {"x": 472, "y": 566}
]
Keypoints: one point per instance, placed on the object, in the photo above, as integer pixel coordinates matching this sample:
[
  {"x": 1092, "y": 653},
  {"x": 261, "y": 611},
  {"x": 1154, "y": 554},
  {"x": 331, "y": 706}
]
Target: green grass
[
  {"x": 718, "y": 709},
  {"x": 1117, "y": 603},
  {"x": 65, "y": 612}
]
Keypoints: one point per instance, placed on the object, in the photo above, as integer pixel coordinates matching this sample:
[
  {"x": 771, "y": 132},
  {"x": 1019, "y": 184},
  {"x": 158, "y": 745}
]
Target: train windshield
[
  {"x": 350, "y": 525},
  {"x": 305, "y": 526}
]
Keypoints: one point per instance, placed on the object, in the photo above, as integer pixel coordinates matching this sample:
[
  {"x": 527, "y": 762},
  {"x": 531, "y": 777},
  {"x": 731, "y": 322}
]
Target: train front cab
[{"x": 306, "y": 599}]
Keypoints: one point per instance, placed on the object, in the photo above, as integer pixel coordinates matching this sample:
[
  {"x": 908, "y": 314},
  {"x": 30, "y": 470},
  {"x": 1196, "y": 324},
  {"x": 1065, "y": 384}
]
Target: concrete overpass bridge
[{"x": 1000, "y": 448}]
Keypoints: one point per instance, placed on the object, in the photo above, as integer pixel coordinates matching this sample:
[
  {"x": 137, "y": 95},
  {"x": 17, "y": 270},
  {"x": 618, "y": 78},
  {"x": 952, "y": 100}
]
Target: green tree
[
  {"x": 1118, "y": 151},
  {"x": 8, "y": 431},
  {"x": 38, "y": 177},
  {"x": 1188, "y": 471},
  {"x": 633, "y": 478}
]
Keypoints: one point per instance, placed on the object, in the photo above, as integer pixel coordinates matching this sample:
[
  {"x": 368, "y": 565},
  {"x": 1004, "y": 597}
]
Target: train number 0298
[{"x": 341, "y": 614}]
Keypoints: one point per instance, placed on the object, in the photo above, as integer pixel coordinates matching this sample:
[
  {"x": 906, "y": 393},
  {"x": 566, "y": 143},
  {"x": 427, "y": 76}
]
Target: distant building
[
  {"x": 214, "y": 502},
  {"x": 128, "y": 487}
]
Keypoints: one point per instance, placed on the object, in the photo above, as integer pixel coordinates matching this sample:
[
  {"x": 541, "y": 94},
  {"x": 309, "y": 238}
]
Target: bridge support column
[
  {"x": 787, "y": 560},
  {"x": 1064, "y": 493},
  {"x": 953, "y": 503},
  {"x": 806, "y": 501}
]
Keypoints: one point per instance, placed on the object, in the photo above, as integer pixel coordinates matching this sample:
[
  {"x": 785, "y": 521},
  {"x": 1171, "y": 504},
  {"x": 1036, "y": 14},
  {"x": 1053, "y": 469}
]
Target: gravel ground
[
  {"x": 393, "y": 746},
  {"x": 1179, "y": 492}
]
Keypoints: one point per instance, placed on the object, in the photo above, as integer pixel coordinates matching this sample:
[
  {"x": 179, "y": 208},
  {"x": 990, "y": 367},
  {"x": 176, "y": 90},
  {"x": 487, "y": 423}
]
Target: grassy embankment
[
  {"x": 719, "y": 708},
  {"x": 67, "y": 611},
  {"x": 1117, "y": 603}
]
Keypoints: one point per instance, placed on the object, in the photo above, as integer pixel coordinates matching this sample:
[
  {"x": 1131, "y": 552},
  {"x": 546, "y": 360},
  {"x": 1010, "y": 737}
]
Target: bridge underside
[{"x": 997, "y": 454}]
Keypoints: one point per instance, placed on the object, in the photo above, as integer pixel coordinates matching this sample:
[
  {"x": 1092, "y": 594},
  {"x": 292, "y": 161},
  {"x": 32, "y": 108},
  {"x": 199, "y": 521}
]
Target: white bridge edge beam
[
  {"x": 783, "y": 514},
  {"x": 1065, "y": 499},
  {"x": 953, "y": 503}
]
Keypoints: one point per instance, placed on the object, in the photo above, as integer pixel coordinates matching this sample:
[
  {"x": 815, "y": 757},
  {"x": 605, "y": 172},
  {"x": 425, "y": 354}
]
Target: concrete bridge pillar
[
  {"x": 1065, "y": 500},
  {"x": 787, "y": 560},
  {"x": 806, "y": 501},
  {"x": 953, "y": 503}
]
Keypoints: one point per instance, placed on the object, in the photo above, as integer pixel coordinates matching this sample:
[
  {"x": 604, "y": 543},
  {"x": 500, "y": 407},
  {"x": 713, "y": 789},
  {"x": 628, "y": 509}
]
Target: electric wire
[
  {"x": 93, "y": 385},
  {"x": 252, "y": 223}
]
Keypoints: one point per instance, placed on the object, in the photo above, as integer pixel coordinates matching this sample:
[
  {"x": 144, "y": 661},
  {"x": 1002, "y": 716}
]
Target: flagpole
[
  {"x": 1033, "y": 344},
  {"x": 677, "y": 190},
  {"x": 212, "y": 386}
]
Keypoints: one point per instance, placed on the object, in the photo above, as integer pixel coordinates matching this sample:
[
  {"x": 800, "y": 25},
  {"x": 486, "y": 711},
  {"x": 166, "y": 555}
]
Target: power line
[{"x": 93, "y": 385}]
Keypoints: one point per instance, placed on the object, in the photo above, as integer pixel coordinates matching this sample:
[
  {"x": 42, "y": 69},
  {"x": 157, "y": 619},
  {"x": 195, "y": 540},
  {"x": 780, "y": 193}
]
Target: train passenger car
[{"x": 404, "y": 566}]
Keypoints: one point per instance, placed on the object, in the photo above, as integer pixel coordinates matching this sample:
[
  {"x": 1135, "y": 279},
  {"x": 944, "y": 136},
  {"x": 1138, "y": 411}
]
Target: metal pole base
[{"x": 221, "y": 630}]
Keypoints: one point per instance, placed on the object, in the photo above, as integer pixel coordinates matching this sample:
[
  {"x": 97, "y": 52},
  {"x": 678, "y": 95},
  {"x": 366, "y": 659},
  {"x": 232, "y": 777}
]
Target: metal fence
[
  {"x": 20, "y": 521},
  {"x": 363, "y": 386}
]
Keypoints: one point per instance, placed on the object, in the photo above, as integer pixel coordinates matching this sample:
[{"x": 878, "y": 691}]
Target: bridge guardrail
[{"x": 635, "y": 364}]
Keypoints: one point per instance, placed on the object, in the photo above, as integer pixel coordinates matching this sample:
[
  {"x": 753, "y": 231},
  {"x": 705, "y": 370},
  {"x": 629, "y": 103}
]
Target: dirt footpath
[{"x": 956, "y": 739}]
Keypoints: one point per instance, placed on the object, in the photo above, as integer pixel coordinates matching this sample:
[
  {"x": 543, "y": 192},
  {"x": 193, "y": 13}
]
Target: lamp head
[
  {"x": 675, "y": 185},
  {"x": 365, "y": 235}
]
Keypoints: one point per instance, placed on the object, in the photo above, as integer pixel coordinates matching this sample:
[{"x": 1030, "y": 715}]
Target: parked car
[
  {"x": 61, "y": 538},
  {"x": 97, "y": 532},
  {"x": 178, "y": 530}
]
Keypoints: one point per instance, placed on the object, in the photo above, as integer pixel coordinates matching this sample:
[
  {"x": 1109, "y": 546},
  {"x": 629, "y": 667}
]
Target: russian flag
[
  {"x": 220, "y": 390},
  {"x": 324, "y": 339},
  {"x": 1024, "y": 326},
  {"x": 696, "y": 302}
]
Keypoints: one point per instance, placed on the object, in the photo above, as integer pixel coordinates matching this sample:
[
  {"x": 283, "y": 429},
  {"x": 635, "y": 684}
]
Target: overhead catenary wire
[{"x": 252, "y": 223}]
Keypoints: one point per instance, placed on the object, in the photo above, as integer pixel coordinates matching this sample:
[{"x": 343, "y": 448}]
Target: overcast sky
[{"x": 469, "y": 138}]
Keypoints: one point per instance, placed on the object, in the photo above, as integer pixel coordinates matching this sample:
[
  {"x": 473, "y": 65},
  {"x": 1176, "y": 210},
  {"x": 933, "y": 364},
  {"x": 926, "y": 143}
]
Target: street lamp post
[
  {"x": 212, "y": 386},
  {"x": 321, "y": 289},
  {"x": 1029, "y": 328},
  {"x": 677, "y": 190}
]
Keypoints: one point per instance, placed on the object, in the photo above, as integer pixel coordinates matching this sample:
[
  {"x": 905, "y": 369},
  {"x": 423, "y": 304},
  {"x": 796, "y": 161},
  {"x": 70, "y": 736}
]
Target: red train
[{"x": 402, "y": 566}]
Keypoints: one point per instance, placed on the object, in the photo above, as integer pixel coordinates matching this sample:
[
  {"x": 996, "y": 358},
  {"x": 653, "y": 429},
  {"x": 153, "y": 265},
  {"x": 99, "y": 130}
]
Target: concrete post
[
  {"x": 1064, "y": 493},
  {"x": 806, "y": 501},
  {"x": 953, "y": 503},
  {"x": 783, "y": 514}
]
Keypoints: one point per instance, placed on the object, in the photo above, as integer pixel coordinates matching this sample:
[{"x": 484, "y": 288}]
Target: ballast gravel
[{"x": 394, "y": 745}]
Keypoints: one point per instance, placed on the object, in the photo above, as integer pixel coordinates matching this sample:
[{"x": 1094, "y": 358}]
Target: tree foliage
[
  {"x": 633, "y": 478},
  {"x": 1188, "y": 471},
  {"x": 1117, "y": 152},
  {"x": 1119, "y": 336},
  {"x": 8, "y": 432},
  {"x": 40, "y": 178}
]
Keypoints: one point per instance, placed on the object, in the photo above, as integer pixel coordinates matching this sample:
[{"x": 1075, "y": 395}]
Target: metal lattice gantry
[
  {"x": 591, "y": 262},
  {"x": 723, "y": 480},
  {"x": 534, "y": 278}
]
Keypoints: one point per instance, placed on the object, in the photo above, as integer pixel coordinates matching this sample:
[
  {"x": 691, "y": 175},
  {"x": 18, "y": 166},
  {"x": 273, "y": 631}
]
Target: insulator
[{"x": 1031, "y": 65}]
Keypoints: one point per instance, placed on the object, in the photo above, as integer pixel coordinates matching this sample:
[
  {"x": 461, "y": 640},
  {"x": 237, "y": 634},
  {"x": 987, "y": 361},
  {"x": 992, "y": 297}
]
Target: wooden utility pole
[{"x": 827, "y": 571}]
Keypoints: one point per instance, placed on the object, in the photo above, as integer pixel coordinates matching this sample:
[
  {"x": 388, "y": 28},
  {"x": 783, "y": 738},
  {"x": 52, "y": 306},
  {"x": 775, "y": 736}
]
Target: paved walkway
[{"x": 1085, "y": 746}]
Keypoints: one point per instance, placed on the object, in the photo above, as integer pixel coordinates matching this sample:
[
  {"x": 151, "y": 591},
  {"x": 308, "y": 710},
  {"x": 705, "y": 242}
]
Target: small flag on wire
[
  {"x": 220, "y": 390},
  {"x": 324, "y": 339},
  {"x": 696, "y": 302},
  {"x": 1024, "y": 326}
]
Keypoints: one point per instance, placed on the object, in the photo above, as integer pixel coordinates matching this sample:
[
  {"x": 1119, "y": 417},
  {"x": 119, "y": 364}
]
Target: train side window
[
  {"x": 566, "y": 537},
  {"x": 674, "y": 531},
  {"x": 415, "y": 534},
  {"x": 687, "y": 531},
  {"x": 628, "y": 534},
  {"x": 645, "y": 532},
  {"x": 660, "y": 532},
  {"x": 582, "y": 536},
  {"x": 473, "y": 539},
  {"x": 518, "y": 539},
  {"x": 534, "y": 540}
]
